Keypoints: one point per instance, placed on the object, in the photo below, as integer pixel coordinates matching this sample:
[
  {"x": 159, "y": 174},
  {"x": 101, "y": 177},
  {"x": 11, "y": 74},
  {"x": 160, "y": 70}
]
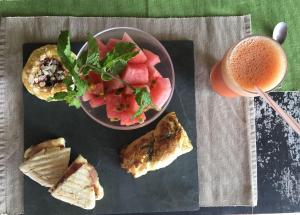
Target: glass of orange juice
[{"x": 255, "y": 61}]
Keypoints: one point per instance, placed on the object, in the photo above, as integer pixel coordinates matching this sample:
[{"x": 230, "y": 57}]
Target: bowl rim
[{"x": 135, "y": 126}]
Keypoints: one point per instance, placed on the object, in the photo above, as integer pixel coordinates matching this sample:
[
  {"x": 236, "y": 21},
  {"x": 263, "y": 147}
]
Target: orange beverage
[{"x": 255, "y": 61}]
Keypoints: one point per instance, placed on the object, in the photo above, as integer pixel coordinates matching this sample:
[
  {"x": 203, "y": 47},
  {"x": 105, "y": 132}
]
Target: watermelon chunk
[
  {"x": 153, "y": 73},
  {"x": 97, "y": 102},
  {"x": 102, "y": 48},
  {"x": 127, "y": 120},
  {"x": 88, "y": 96},
  {"x": 119, "y": 107},
  {"x": 113, "y": 85},
  {"x": 131, "y": 108},
  {"x": 111, "y": 44},
  {"x": 140, "y": 57},
  {"x": 97, "y": 89},
  {"x": 127, "y": 38},
  {"x": 152, "y": 59},
  {"x": 136, "y": 74},
  {"x": 93, "y": 78},
  {"x": 160, "y": 91},
  {"x": 114, "y": 106}
]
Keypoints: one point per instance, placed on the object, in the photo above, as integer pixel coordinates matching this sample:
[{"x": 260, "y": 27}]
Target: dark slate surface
[
  {"x": 278, "y": 154},
  {"x": 174, "y": 188}
]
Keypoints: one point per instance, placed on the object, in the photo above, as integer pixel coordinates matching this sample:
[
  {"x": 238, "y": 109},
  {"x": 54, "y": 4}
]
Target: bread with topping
[{"x": 156, "y": 149}]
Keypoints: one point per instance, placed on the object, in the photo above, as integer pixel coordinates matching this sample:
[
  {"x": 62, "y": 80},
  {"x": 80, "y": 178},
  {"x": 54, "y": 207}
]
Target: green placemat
[{"x": 265, "y": 14}]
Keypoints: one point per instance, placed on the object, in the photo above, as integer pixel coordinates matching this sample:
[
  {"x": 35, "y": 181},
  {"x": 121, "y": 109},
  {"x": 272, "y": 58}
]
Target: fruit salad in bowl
[
  {"x": 134, "y": 81},
  {"x": 123, "y": 77}
]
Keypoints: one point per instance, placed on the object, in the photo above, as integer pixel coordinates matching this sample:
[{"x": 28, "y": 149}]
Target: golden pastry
[
  {"x": 156, "y": 149},
  {"x": 44, "y": 73}
]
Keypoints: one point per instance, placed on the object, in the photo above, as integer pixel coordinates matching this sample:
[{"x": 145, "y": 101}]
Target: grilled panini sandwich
[
  {"x": 79, "y": 185},
  {"x": 46, "y": 162}
]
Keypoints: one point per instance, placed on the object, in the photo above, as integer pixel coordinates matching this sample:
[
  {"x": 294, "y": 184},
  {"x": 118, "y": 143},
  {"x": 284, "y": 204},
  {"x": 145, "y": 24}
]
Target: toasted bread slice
[
  {"x": 156, "y": 149},
  {"x": 79, "y": 185},
  {"x": 45, "y": 163},
  {"x": 59, "y": 142}
]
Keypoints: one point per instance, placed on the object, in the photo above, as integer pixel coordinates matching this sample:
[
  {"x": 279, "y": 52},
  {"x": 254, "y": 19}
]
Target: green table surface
[{"x": 265, "y": 14}]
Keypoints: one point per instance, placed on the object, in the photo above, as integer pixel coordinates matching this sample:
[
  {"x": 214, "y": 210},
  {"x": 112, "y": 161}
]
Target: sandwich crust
[{"x": 59, "y": 142}]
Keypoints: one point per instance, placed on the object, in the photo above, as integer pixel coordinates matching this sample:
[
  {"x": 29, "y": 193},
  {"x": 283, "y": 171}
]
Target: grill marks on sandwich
[
  {"x": 71, "y": 169},
  {"x": 79, "y": 185},
  {"x": 46, "y": 162}
]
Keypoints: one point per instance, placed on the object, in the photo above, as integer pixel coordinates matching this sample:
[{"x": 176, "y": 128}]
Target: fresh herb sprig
[
  {"x": 108, "y": 68},
  {"x": 76, "y": 87}
]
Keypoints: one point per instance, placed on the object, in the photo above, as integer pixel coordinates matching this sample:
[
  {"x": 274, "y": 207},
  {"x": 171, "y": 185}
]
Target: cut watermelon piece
[
  {"x": 140, "y": 57},
  {"x": 136, "y": 74},
  {"x": 127, "y": 38},
  {"x": 128, "y": 91},
  {"x": 97, "y": 89},
  {"x": 111, "y": 44},
  {"x": 131, "y": 108},
  {"x": 152, "y": 59},
  {"x": 113, "y": 85},
  {"x": 94, "y": 78},
  {"x": 127, "y": 120},
  {"x": 88, "y": 96},
  {"x": 114, "y": 106},
  {"x": 160, "y": 91},
  {"x": 153, "y": 73},
  {"x": 102, "y": 48},
  {"x": 97, "y": 102}
]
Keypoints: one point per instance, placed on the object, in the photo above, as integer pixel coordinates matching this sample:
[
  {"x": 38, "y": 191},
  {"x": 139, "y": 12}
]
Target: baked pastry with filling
[
  {"x": 44, "y": 73},
  {"x": 156, "y": 149}
]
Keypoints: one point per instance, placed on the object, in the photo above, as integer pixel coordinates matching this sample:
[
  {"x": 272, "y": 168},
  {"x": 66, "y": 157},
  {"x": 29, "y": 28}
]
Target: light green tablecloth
[{"x": 265, "y": 14}]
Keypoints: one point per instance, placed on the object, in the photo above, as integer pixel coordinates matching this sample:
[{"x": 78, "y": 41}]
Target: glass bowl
[{"x": 165, "y": 67}]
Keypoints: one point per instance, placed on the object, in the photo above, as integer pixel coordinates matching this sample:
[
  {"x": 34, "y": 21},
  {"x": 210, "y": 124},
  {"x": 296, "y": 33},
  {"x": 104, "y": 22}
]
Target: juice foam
[{"x": 257, "y": 61}]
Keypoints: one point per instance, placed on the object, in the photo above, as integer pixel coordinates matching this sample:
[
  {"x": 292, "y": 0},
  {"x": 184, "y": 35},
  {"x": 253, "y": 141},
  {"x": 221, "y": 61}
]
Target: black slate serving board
[
  {"x": 174, "y": 188},
  {"x": 278, "y": 161}
]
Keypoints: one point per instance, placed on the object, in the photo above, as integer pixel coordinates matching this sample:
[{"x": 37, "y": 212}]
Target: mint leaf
[
  {"x": 81, "y": 87},
  {"x": 60, "y": 96},
  {"x": 81, "y": 60},
  {"x": 116, "y": 60},
  {"x": 69, "y": 97},
  {"x": 68, "y": 81},
  {"x": 93, "y": 55},
  {"x": 143, "y": 99},
  {"x": 64, "y": 50},
  {"x": 76, "y": 87}
]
